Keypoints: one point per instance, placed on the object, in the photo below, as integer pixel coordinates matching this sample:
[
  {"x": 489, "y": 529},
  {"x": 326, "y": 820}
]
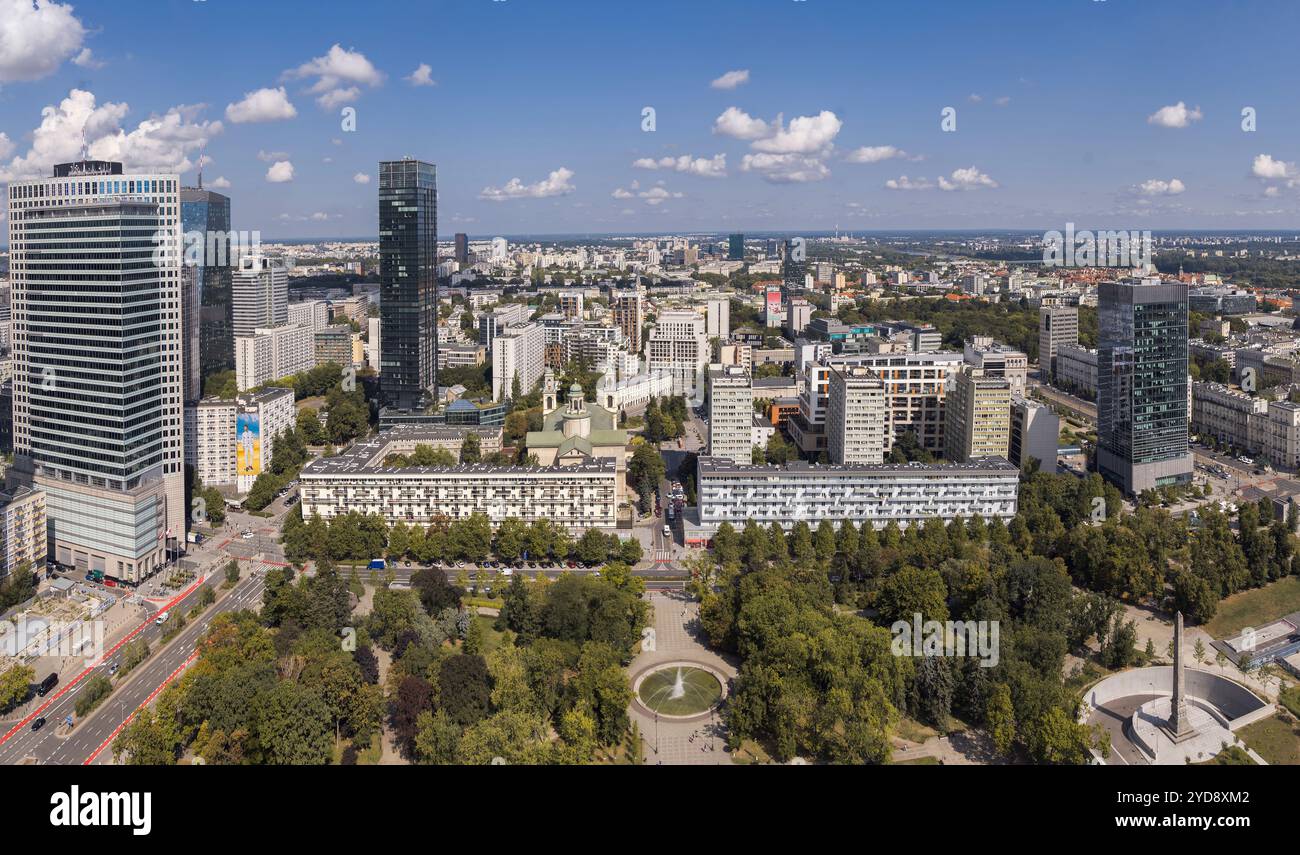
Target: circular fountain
[{"x": 679, "y": 690}]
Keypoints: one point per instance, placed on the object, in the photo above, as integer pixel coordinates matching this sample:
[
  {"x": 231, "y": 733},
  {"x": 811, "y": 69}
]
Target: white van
[{"x": 162, "y": 618}]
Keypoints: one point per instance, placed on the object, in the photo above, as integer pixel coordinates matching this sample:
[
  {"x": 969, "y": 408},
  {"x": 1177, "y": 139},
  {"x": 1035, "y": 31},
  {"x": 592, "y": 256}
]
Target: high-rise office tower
[
  {"x": 736, "y": 247},
  {"x": 731, "y": 413},
  {"x": 628, "y": 317},
  {"x": 95, "y": 261},
  {"x": 1057, "y": 325},
  {"x": 855, "y": 416},
  {"x": 191, "y": 345},
  {"x": 977, "y": 416},
  {"x": 462, "y": 249},
  {"x": 517, "y": 353},
  {"x": 718, "y": 318},
  {"x": 205, "y": 216},
  {"x": 408, "y": 284},
  {"x": 259, "y": 293},
  {"x": 1142, "y": 384}
]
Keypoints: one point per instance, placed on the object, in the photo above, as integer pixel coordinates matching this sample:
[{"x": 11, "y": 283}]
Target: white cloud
[
  {"x": 1266, "y": 166},
  {"x": 658, "y": 195},
  {"x": 86, "y": 59},
  {"x": 555, "y": 184},
  {"x": 422, "y": 76},
  {"x": 36, "y": 38},
  {"x": 902, "y": 182},
  {"x": 731, "y": 79},
  {"x": 1272, "y": 192},
  {"x": 735, "y": 122},
  {"x": 714, "y": 167},
  {"x": 1174, "y": 116},
  {"x": 620, "y": 193},
  {"x": 361, "y": 178},
  {"x": 877, "y": 153},
  {"x": 785, "y": 168},
  {"x": 975, "y": 98},
  {"x": 158, "y": 142},
  {"x": 805, "y": 134},
  {"x": 1159, "y": 187},
  {"x": 337, "y": 97},
  {"x": 6, "y": 146},
  {"x": 1003, "y": 101},
  {"x": 280, "y": 172},
  {"x": 262, "y": 105},
  {"x": 969, "y": 178},
  {"x": 338, "y": 75},
  {"x": 269, "y": 156},
  {"x": 221, "y": 183}
]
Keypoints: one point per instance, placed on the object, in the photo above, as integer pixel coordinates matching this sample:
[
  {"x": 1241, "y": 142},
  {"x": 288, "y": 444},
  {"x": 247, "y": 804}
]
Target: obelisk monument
[{"x": 1180, "y": 725}]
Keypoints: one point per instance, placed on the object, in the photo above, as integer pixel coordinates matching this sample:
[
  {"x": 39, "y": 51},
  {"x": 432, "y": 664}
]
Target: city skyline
[{"x": 751, "y": 132}]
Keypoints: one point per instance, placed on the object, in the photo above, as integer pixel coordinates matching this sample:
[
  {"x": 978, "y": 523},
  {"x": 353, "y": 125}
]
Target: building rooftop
[{"x": 980, "y": 465}]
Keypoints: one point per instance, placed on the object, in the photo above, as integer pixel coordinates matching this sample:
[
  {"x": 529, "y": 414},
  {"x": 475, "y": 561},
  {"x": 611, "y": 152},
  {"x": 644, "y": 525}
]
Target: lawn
[
  {"x": 491, "y": 638},
  {"x": 920, "y": 761},
  {"x": 1256, "y": 607},
  {"x": 1275, "y": 740},
  {"x": 1231, "y": 756}
]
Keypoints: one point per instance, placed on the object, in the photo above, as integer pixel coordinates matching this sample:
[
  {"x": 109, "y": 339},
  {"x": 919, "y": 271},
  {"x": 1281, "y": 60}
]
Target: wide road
[{"x": 92, "y": 737}]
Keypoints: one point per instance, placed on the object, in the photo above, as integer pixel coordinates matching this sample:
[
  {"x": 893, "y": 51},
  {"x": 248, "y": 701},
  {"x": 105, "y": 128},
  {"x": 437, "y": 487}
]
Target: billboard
[{"x": 248, "y": 443}]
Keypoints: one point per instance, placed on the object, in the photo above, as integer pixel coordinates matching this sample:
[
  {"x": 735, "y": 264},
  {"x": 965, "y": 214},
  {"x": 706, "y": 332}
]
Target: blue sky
[{"x": 1113, "y": 114}]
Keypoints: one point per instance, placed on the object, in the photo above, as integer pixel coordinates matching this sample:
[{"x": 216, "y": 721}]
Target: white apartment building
[
  {"x": 1228, "y": 415},
  {"x": 273, "y": 354},
  {"x": 1076, "y": 369},
  {"x": 372, "y": 343},
  {"x": 679, "y": 344},
  {"x": 313, "y": 314},
  {"x": 24, "y": 530},
  {"x": 634, "y": 392},
  {"x": 977, "y": 421},
  {"x": 1058, "y": 325},
  {"x": 214, "y": 454},
  {"x": 1268, "y": 429},
  {"x": 718, "y": 318},
  {"x": 915, "y": 386},
  {"x": 1035, "y": 433},
  {"x": 259, "y": 294},
  {"x": 905, "y": 493},
  {"x": 731, "y": 412},
  {"x": 577, "y": 496},
  {"x": 998, "y": 360},
  {"x": 855, "y": 416},
  {"x": 517, "y": 352}
]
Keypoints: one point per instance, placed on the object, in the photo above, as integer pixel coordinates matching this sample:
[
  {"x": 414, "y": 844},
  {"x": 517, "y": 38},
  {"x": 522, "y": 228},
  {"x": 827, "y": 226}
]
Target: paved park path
[{"x": 678, "y": 638}]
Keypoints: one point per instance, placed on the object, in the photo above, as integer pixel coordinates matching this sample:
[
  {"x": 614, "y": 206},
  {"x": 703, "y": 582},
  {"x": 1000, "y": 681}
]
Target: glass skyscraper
[
  {"x": 208, "y": 213},
  {"x": 1142, "y": 384},
  {"x": 97, "y": 396},
  {"x": 736, "y": 248},
  {"x": 408, "y": 262}
]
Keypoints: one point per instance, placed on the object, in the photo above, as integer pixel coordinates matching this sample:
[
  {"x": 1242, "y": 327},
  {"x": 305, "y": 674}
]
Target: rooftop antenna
[
  {"x": 202, "y": 148},
  {"x": 84, "y": 154}
]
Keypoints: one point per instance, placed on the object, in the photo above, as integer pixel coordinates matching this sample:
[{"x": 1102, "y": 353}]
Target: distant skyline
[{"x": 769, "y": 116}]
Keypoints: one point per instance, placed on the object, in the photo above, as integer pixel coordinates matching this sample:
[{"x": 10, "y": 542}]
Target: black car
[{"x": 38, "y": 724}]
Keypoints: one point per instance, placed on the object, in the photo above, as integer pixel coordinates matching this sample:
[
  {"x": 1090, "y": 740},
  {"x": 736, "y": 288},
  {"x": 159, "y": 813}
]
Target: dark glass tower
[
  {"x": 408, "y": 262},
  {"x": 736, "y": 248},
  {"x": 208, "y": 213},
  {"x": 462, "y": 249},
  {"x": 1142, "y": 384}
]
